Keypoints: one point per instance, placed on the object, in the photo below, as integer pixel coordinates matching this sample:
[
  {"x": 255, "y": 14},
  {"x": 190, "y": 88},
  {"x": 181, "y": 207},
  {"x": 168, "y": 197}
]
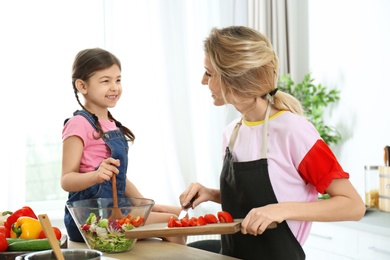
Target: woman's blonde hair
[{"x": 247, "y": 65}]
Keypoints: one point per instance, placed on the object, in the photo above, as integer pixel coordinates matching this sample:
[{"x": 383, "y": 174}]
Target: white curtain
[
  {"x": 177, "y": 128},
  {"x": 285, "y": 24}
]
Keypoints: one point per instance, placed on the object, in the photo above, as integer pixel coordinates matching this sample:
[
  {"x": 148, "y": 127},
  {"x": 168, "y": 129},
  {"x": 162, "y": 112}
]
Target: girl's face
[
  {"x": 213, "y": 80},
  {"x": 103, "y": 89}
]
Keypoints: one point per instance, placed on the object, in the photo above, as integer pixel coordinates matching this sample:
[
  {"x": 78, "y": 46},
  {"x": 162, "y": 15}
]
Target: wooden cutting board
[{"x": 162, "y": 230}]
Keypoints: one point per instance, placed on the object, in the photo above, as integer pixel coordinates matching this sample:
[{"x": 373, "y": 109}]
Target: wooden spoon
[
  {"x": 49, "y": 232},
  {"x": 116, "y": 211}
]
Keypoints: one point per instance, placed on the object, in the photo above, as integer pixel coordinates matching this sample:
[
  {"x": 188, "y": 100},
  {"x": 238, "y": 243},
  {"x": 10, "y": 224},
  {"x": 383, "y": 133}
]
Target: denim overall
[
  {"x": 246, "y": 185},
  {"x": 119, "y": 147}
]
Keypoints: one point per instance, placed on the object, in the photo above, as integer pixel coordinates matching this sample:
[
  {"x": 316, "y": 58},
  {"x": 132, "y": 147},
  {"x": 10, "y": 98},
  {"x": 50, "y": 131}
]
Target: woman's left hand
[{"x": 259, "y": 219}]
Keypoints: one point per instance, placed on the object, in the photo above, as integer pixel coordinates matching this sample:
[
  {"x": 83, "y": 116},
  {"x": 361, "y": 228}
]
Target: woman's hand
[
  {"x": 259, "y": 219},
  {"x": 106, "y": 169},
  {"x": 200, "y": 193}
]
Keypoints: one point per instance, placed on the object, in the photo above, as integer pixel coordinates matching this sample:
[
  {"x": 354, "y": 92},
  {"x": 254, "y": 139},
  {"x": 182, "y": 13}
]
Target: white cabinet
[
  {"x": 373, "y": 247},
  {"x": 368, "y": 239}
]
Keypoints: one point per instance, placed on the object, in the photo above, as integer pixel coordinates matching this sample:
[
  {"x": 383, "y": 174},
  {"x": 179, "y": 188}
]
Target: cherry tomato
[
  {"x": 185, "y": 222},
  {"x": 138, "y": 221},
  {"x": 225, "y": 217},
  {"x": 85, "y": 227},
  {"x": 56, "y": 230},
  {"x": 178, "y": 223},
  {"x": 3, "y": 243},
  {"x": 201, "y": 221},
  {"x": 193, "y": 222},
  {"x": 210, "y": 218},
  {"x": 5, "y": 231},
  {"x": 171, "y": 222}
]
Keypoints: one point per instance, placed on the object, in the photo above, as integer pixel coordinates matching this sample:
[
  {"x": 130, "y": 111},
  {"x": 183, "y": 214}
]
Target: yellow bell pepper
[{"x": 26, "y": 228}]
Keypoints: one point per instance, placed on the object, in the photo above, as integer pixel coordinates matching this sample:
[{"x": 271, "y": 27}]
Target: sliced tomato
[
  {"x": 210, "y": 218},
  {"x": 193, "y": 222},
  {"x": 201, "y": 221},
  {"x": 171, "y": 222},
  {"x": 138, "y": 221},
  {"x": 57, "y": 233},
  {"x": 178, "y": 223},
  {"x": 185, "y": 222},
  {"x": 225, "y": 217}
]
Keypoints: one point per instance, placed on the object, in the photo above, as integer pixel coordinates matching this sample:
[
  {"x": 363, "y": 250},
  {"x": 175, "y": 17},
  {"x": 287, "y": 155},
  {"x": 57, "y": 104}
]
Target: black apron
[{"x": 244, "y": 186}]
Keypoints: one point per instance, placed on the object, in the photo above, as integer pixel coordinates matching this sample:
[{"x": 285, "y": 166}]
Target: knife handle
[{"x": 189, "y": 205}]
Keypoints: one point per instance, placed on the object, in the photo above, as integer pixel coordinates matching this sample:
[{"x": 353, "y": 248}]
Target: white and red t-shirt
[
  {"x": 300, "y": 164},
  {"x": 95, "y": 150}
]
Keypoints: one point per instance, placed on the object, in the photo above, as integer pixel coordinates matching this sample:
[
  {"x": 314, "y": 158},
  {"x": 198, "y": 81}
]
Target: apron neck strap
[
  {"x": 264, "y": 145},
  {"x": 234, "y": 136}
]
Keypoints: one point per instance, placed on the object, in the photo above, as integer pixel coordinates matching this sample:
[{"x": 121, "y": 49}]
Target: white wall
[{"x": 349, "y": 44}]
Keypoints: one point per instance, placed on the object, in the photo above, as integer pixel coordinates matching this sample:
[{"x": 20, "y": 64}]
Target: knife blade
[{"x": 184, "y": 211}]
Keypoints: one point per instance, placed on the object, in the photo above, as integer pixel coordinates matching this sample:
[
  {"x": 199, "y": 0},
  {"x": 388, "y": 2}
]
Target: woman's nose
[{"x": 204, "y": 80}]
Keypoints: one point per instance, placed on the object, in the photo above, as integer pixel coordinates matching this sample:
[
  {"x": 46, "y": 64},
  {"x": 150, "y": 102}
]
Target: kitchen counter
[
  {"x": 158, "y": 249},
  {"x": 374, "y": 221}
]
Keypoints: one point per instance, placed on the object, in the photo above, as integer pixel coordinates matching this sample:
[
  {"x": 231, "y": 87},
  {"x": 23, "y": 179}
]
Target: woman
[{"x": 275, "y": 161}]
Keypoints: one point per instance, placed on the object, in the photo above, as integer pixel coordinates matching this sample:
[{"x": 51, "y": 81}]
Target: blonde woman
[{"x": 275, "y": 161}]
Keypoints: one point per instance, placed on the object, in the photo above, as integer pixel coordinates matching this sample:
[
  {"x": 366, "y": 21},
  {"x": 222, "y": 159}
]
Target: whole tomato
[
  {"x": 56, "y": 230},
  {"x": 5, "y": 231},
  {"x": 3, "y": 243}
]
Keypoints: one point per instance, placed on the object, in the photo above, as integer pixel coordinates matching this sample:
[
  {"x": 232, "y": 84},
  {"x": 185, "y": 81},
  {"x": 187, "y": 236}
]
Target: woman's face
[{"x": 212, "y": 79}]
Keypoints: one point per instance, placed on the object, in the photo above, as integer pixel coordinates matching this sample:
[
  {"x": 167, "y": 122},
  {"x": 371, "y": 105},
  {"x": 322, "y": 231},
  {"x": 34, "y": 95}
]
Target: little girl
[{"x": 95, "y": 144}]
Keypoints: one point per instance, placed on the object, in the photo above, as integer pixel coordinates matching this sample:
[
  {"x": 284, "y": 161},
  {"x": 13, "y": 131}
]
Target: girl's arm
[{"x": 71, "y": 179}]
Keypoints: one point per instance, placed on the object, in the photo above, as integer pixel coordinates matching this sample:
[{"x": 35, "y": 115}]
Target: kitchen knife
[{"x": 184, "y": 211}]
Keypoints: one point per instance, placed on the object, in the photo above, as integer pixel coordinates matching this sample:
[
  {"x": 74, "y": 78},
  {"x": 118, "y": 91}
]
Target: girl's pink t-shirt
[{"x": 95, "y": 150}]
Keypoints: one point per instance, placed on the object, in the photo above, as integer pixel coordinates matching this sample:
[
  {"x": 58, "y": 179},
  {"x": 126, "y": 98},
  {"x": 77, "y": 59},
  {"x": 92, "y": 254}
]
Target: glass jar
[{"x": 371, "y": 186}]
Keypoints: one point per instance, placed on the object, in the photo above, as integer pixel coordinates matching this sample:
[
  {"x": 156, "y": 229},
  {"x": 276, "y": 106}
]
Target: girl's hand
[
  {"x": 106, "y": 169},
  {"x": 259, "y": 219},
  {"x": 197, "y": 191}
]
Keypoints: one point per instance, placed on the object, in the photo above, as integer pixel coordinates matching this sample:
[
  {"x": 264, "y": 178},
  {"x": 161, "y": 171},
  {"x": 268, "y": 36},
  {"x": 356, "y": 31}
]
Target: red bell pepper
[{"x": 23, "y": 212}]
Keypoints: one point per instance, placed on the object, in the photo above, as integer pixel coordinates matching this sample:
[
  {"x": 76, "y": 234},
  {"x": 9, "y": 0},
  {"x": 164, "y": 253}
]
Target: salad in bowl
[{"x": 100, "y": 230}]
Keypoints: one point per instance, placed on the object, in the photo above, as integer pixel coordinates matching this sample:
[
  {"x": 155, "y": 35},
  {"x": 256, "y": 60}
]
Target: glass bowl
[{"x": 100, "y": 230}]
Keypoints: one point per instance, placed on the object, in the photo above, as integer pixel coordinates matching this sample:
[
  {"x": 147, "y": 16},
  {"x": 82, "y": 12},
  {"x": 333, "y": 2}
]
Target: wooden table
[{"x": 158, "y": 249}]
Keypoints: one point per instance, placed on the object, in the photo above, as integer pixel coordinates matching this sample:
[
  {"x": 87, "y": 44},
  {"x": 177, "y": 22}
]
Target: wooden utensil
[
  {"x": 162, "y": 230},
  {"x": 49, "y": 232},
  {"x": 116, "y": 211}
]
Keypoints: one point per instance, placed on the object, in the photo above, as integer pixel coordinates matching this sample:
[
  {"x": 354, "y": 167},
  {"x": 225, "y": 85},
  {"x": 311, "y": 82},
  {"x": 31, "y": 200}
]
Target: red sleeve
[{"x": 320, "y": 167}]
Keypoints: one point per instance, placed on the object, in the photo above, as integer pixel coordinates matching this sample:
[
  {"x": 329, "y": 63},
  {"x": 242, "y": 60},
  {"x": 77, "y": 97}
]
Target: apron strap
[
  {"x": 264, "y": 145},
  {"x": 234, "y": 136}
]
